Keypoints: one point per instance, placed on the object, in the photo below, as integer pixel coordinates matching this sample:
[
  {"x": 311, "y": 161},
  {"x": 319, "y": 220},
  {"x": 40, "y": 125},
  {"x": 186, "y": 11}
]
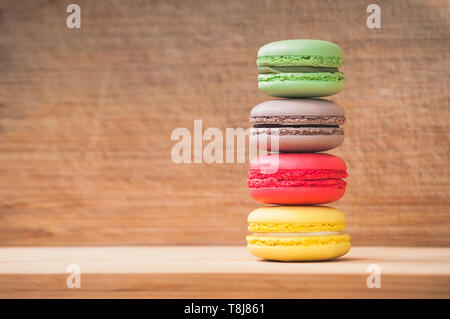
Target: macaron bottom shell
[
  {"x": 297, "y": 195},
  {"x": 297, "y": 143},
  {"x": 313, "y": 248},
  {"x": 301, "y": 88}
]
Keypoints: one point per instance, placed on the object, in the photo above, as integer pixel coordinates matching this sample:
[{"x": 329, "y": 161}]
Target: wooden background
[{"x": 86, "y": 117}]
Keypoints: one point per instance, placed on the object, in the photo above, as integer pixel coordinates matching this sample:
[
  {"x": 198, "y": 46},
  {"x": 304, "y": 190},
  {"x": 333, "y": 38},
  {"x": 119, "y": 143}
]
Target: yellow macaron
[{"x": 297, "y": 233}]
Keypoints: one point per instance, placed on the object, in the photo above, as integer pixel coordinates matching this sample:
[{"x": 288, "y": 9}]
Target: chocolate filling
[
  {"x": 289, "y": 130},
  {"x": 288, "y": 125}
]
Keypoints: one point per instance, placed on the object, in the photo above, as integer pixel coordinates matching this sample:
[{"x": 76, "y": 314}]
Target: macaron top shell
[
  {"x": 301, "y": 47},
  {"x": 297, "y": 215},
  {"x": 314, "y": 53},
  {"x": 297, "y": 112},
  {"x": 308, "y": 161}
]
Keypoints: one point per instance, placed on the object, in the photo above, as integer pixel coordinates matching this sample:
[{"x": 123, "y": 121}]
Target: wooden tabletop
[{"x": 220, "y": 272}]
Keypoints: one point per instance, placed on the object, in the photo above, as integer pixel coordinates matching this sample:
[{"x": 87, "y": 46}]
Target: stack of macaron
[{"x": 293, "y": 177}]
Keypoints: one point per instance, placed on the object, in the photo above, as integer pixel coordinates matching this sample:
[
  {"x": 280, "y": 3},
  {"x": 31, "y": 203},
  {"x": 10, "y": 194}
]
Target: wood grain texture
[
  {"x": 86, "y": 117},
  {"x": 220, "y": 272}
]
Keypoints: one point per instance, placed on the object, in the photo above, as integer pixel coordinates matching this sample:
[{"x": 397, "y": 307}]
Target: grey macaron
[{"x": 297, "y": 125}]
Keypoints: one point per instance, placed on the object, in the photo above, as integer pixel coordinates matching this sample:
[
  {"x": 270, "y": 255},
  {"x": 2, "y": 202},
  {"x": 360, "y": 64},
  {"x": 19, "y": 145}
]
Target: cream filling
[{"x": 323, "y": 233}]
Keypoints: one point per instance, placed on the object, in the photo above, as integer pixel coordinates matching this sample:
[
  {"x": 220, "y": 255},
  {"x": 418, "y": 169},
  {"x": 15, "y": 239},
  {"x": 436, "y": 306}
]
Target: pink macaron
[{"x": 297, "y": 179}]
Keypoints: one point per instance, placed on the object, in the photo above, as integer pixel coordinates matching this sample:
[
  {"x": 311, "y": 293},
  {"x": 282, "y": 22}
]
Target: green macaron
[{"x": 300, "y": 68}]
